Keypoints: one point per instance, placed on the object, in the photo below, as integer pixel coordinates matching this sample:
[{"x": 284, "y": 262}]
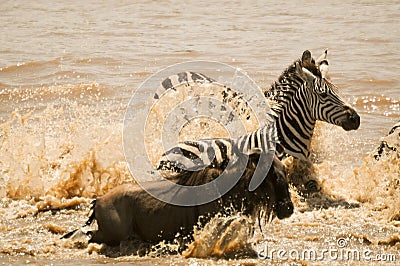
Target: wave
[{"x": 31, "y": 66}]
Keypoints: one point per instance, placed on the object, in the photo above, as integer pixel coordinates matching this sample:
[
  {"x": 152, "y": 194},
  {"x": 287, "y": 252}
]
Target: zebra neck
[
  {"x": 294, "y": 133},
  {"x": 294, "y": 120}
]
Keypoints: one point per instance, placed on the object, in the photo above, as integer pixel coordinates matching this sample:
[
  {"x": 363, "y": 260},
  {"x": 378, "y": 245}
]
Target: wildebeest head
[
  {"x": 283, "y": 207},
  {"x": 272, "y": 194},
  {"x": 278, "y": 190}
]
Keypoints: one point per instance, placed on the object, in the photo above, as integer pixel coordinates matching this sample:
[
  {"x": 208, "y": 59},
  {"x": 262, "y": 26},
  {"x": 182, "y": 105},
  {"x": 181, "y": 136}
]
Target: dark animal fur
[{"x": 129, "y": 212}]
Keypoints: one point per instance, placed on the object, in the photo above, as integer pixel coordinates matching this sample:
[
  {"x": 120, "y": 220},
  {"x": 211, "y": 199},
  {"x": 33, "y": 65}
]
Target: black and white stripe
[
  {"x": 394, "y": 128},
  {"x": 216, "y": 153},
  {"x": 230, "y": 97},
  {"x": 182, "y": 78},
  {"x": 389, "y": 144}
]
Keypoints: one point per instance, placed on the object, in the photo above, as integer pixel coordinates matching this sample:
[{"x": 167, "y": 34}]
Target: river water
[{"x": 69, "y": 68}]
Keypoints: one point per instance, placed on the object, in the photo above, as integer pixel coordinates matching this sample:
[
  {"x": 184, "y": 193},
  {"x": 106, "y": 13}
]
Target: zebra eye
[{"x": 321, "y": 88}]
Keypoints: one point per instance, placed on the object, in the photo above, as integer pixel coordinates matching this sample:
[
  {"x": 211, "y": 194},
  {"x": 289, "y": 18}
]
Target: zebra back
[
  {"x": 228, "y": 96},
  {"x": 192, "y": 156},
  {"x": 187, "y": 78}
]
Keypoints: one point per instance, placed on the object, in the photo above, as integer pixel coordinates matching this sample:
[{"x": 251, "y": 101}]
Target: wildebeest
[{"x": 128, "y": 212}]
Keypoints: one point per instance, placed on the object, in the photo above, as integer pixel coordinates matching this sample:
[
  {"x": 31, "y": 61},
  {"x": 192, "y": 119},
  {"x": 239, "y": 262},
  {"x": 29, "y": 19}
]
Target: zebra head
[
  {"x": 326, "y": 105},
  {"x": 301, "y": 96}
]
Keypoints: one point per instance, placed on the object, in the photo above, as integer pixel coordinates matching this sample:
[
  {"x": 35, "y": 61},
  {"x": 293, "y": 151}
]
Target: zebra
[
  {"x": 301, "y": 95},
  {"x": 390, "y": 143}
]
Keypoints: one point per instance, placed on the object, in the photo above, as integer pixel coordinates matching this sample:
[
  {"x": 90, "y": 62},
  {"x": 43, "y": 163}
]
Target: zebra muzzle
[{"x": 351, "y": 120}]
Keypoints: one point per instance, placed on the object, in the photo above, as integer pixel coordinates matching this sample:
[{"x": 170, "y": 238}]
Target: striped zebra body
[
  {"x": 301, "y": 96},
  {"x": 218, "y": 152},
  {"x": 389, "y": 144}
]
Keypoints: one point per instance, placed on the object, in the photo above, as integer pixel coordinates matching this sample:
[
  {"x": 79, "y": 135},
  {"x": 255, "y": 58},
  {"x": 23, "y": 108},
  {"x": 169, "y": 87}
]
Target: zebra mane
[
  {"x": 277, "y": 93},
  {"x": 291, "y": 79}
]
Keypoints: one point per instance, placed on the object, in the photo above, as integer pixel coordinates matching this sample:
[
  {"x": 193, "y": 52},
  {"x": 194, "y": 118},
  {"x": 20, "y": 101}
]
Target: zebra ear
[
  {"x": 307, "y": 74},
  {"x": 324, "y": 68},
  {"x": 323, "y": 65},
  {"x": 301, "y": 68},
  {"x": 307, "y": 66},
  {"x": 322, "y": 57},
  {"x": 306, "y": 57}
]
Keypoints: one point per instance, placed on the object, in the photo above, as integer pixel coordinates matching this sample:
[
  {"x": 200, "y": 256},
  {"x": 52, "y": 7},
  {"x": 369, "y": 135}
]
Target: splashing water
[
  {"x": 61, "y": 151},
  {"x": 222, "y": 237}
]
